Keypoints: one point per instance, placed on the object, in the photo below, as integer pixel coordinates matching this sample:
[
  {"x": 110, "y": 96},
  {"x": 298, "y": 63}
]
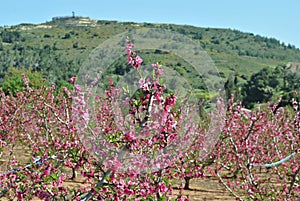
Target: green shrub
[{"x": 13, "y": 80}]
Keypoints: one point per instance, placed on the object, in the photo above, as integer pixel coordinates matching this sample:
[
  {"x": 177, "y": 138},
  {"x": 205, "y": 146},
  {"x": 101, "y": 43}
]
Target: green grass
[{"x": 60, "y": 50}]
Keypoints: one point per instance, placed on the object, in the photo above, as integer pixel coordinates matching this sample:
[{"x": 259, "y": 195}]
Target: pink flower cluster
[
  {"x": 54, "y": 125},
  {"x": 158, "y": 71},
  {"x": 72, "y": 80},
  {"x": 133, "y": 59}
]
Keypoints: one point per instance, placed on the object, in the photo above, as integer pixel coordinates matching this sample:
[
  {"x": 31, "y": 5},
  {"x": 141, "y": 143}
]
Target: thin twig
[
  {"x": 228, "y": 188},
  {"x": 293, "y": 181},
  {"x": 89, "y": 195},
  {"x": 56, "y": 115}
]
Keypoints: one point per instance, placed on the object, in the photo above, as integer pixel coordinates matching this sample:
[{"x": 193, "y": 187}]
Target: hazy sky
[{"x": 272, "y": 18}]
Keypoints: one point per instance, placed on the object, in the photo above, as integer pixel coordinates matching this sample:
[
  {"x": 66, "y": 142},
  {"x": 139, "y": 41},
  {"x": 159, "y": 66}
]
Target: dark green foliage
[
  {"x": 47, "y": 36},
  {"x": 260, "y": 88},
  {"x": 13, "y": 81},
  {"x": 67, "y": 36},
  {"x": 1, "y": 45},
  {"x": 58, "y": 48},
  {"x": 232, "y": 86},
  {"x": 11, "y": 36},
  {"x": 75, "y": 45}
]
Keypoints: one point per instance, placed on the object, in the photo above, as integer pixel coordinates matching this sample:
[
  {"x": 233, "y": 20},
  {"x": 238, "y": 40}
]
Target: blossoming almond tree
[
  {"x": 144, "y": 146},
  {"x": 257, "y": 157},
  {"x": 133, "y": 148}
]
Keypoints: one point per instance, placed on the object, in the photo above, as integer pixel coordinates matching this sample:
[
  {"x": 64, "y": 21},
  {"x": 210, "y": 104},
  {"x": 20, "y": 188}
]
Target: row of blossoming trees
[{"x": 48, "y": 139}]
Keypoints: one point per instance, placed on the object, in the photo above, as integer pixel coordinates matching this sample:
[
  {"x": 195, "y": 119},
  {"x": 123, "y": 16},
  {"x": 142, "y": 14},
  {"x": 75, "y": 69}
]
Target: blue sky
[{"x": 272, "y": 18}]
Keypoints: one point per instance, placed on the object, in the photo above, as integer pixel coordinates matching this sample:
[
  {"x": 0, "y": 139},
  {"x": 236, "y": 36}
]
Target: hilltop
[{"x": 57, "y": 48}]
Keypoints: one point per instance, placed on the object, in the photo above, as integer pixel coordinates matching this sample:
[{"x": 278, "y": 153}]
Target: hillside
[{"x": 58, "y": 48}]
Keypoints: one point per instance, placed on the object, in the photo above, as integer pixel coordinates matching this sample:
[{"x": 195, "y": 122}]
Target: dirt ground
[
  {"x": 207, "y": 190},
  {"x": 200, "y": 190}
]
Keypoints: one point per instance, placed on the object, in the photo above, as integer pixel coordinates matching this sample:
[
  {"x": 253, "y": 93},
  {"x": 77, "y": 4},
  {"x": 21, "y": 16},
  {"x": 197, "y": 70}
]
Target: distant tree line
[
  {"x": 57, "y": 53},
  {"x": 282, "y": 82}
]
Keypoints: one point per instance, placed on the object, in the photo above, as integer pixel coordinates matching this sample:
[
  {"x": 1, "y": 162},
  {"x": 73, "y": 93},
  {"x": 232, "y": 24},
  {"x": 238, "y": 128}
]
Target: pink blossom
[
  {"x": 171, "y": 100},
  {"x": 294, "y": 168},
  {"x": 155, "y": 65},
  {"x": 249, "y": 140},
  {"x": 130, "y": 136},
  {"x": 129, "y": 44},
  {"x": 138, "y": 61},
  {"x": 134, "y": 61},
  {"x": 128, "y": 191},
  {"x": 131, "y": 61},
  {"x": 159, "y": 72},
  {"x": 141, "y": 82},
  {"x": 162, "y": 187},
  {"x": 129, "y": 52},
  {"x": 72, "y": 80}
]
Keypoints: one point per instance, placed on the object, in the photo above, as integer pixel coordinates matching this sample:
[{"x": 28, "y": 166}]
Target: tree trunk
[
  {"x": 187, "y": 183},
  {"x": 158, "y": 198},
  {"x": 73, "y": 174}
]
